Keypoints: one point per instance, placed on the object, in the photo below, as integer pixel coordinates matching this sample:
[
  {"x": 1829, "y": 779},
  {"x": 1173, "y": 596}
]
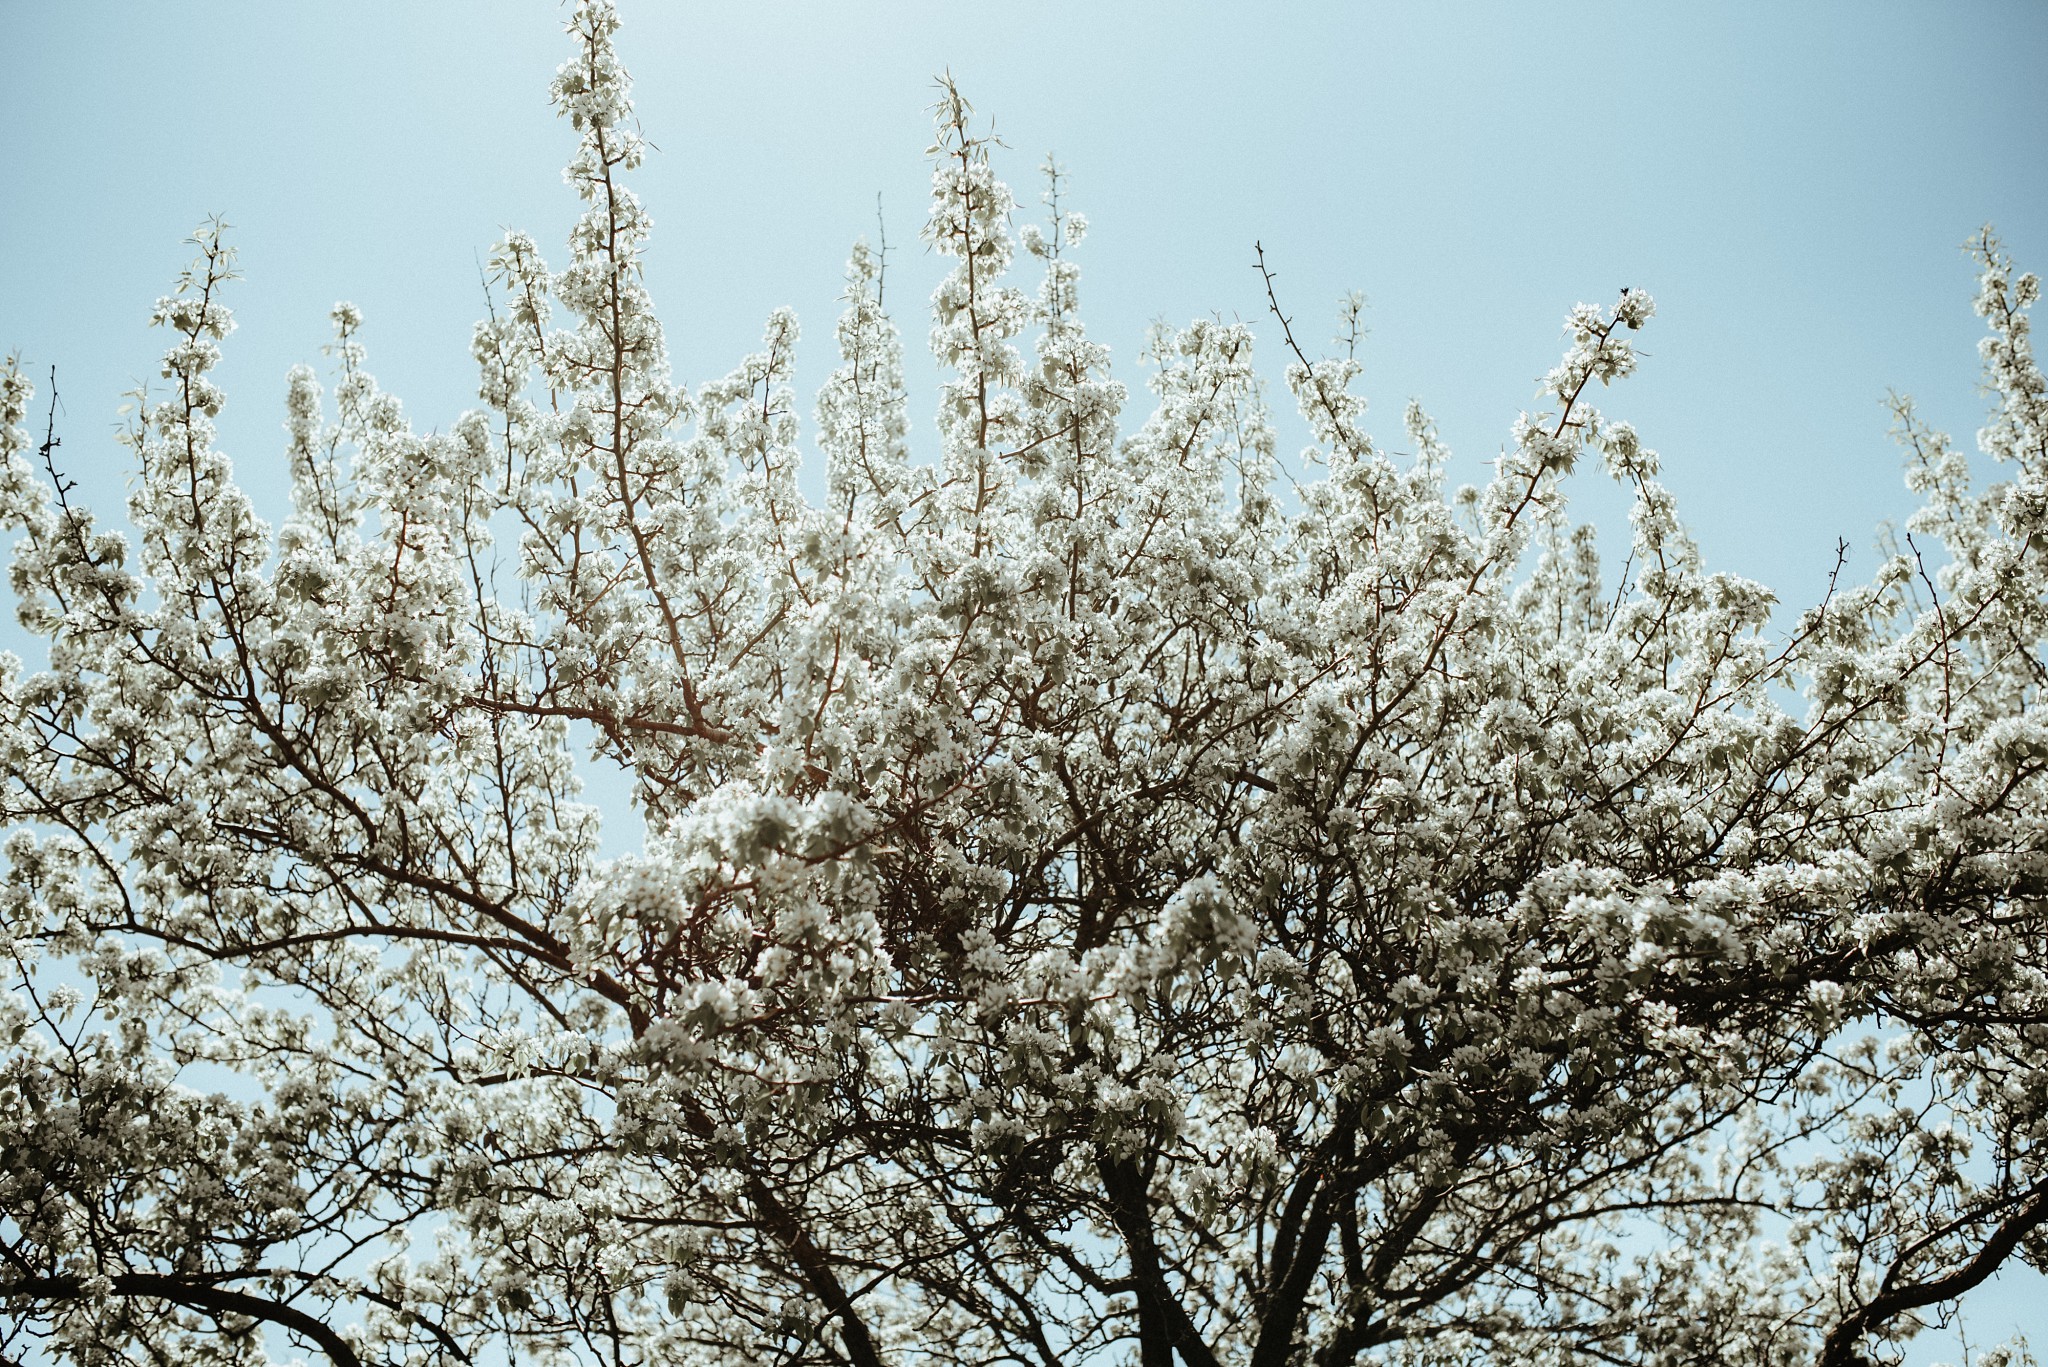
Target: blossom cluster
[{"x": 1102, "y": 898}]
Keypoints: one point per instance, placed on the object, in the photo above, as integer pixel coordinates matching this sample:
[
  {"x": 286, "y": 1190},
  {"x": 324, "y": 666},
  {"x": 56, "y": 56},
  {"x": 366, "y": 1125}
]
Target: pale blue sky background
[{"x": 1791, "y": 181}]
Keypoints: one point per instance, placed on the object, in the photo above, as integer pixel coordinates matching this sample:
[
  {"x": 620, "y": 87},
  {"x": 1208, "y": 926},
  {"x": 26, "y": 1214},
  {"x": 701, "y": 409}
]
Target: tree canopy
[{"x": 1109, "y": 893}]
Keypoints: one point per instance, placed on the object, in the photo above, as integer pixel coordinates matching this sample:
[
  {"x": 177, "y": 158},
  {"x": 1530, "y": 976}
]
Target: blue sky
[{"x": 1792, "y": 182}]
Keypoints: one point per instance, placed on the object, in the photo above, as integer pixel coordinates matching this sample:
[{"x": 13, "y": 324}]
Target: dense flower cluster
[{"x": 1096, "y": 906}]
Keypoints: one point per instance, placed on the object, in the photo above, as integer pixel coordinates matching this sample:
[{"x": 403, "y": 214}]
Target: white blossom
[{"x": 1101, "y": 898}]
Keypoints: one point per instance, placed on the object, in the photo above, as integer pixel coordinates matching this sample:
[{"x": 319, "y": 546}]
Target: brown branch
[
  {"x": 1839, "y": 1350},
  {"x": 210, "y": 1300}
]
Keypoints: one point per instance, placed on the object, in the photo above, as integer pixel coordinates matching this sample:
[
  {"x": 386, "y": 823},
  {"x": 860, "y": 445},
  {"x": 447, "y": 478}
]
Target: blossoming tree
[{"x": 1095, "y": 907}]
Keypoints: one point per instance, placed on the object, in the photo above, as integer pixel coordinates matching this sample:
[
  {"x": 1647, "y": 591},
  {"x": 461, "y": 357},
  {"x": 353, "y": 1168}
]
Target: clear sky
[{"x": 1791, "y": 181}]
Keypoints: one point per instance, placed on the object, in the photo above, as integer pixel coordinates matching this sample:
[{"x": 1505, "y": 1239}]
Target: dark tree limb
[
  {"x": 1840, "y": 1349},
  {"x": 195, "y": 1295}
]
